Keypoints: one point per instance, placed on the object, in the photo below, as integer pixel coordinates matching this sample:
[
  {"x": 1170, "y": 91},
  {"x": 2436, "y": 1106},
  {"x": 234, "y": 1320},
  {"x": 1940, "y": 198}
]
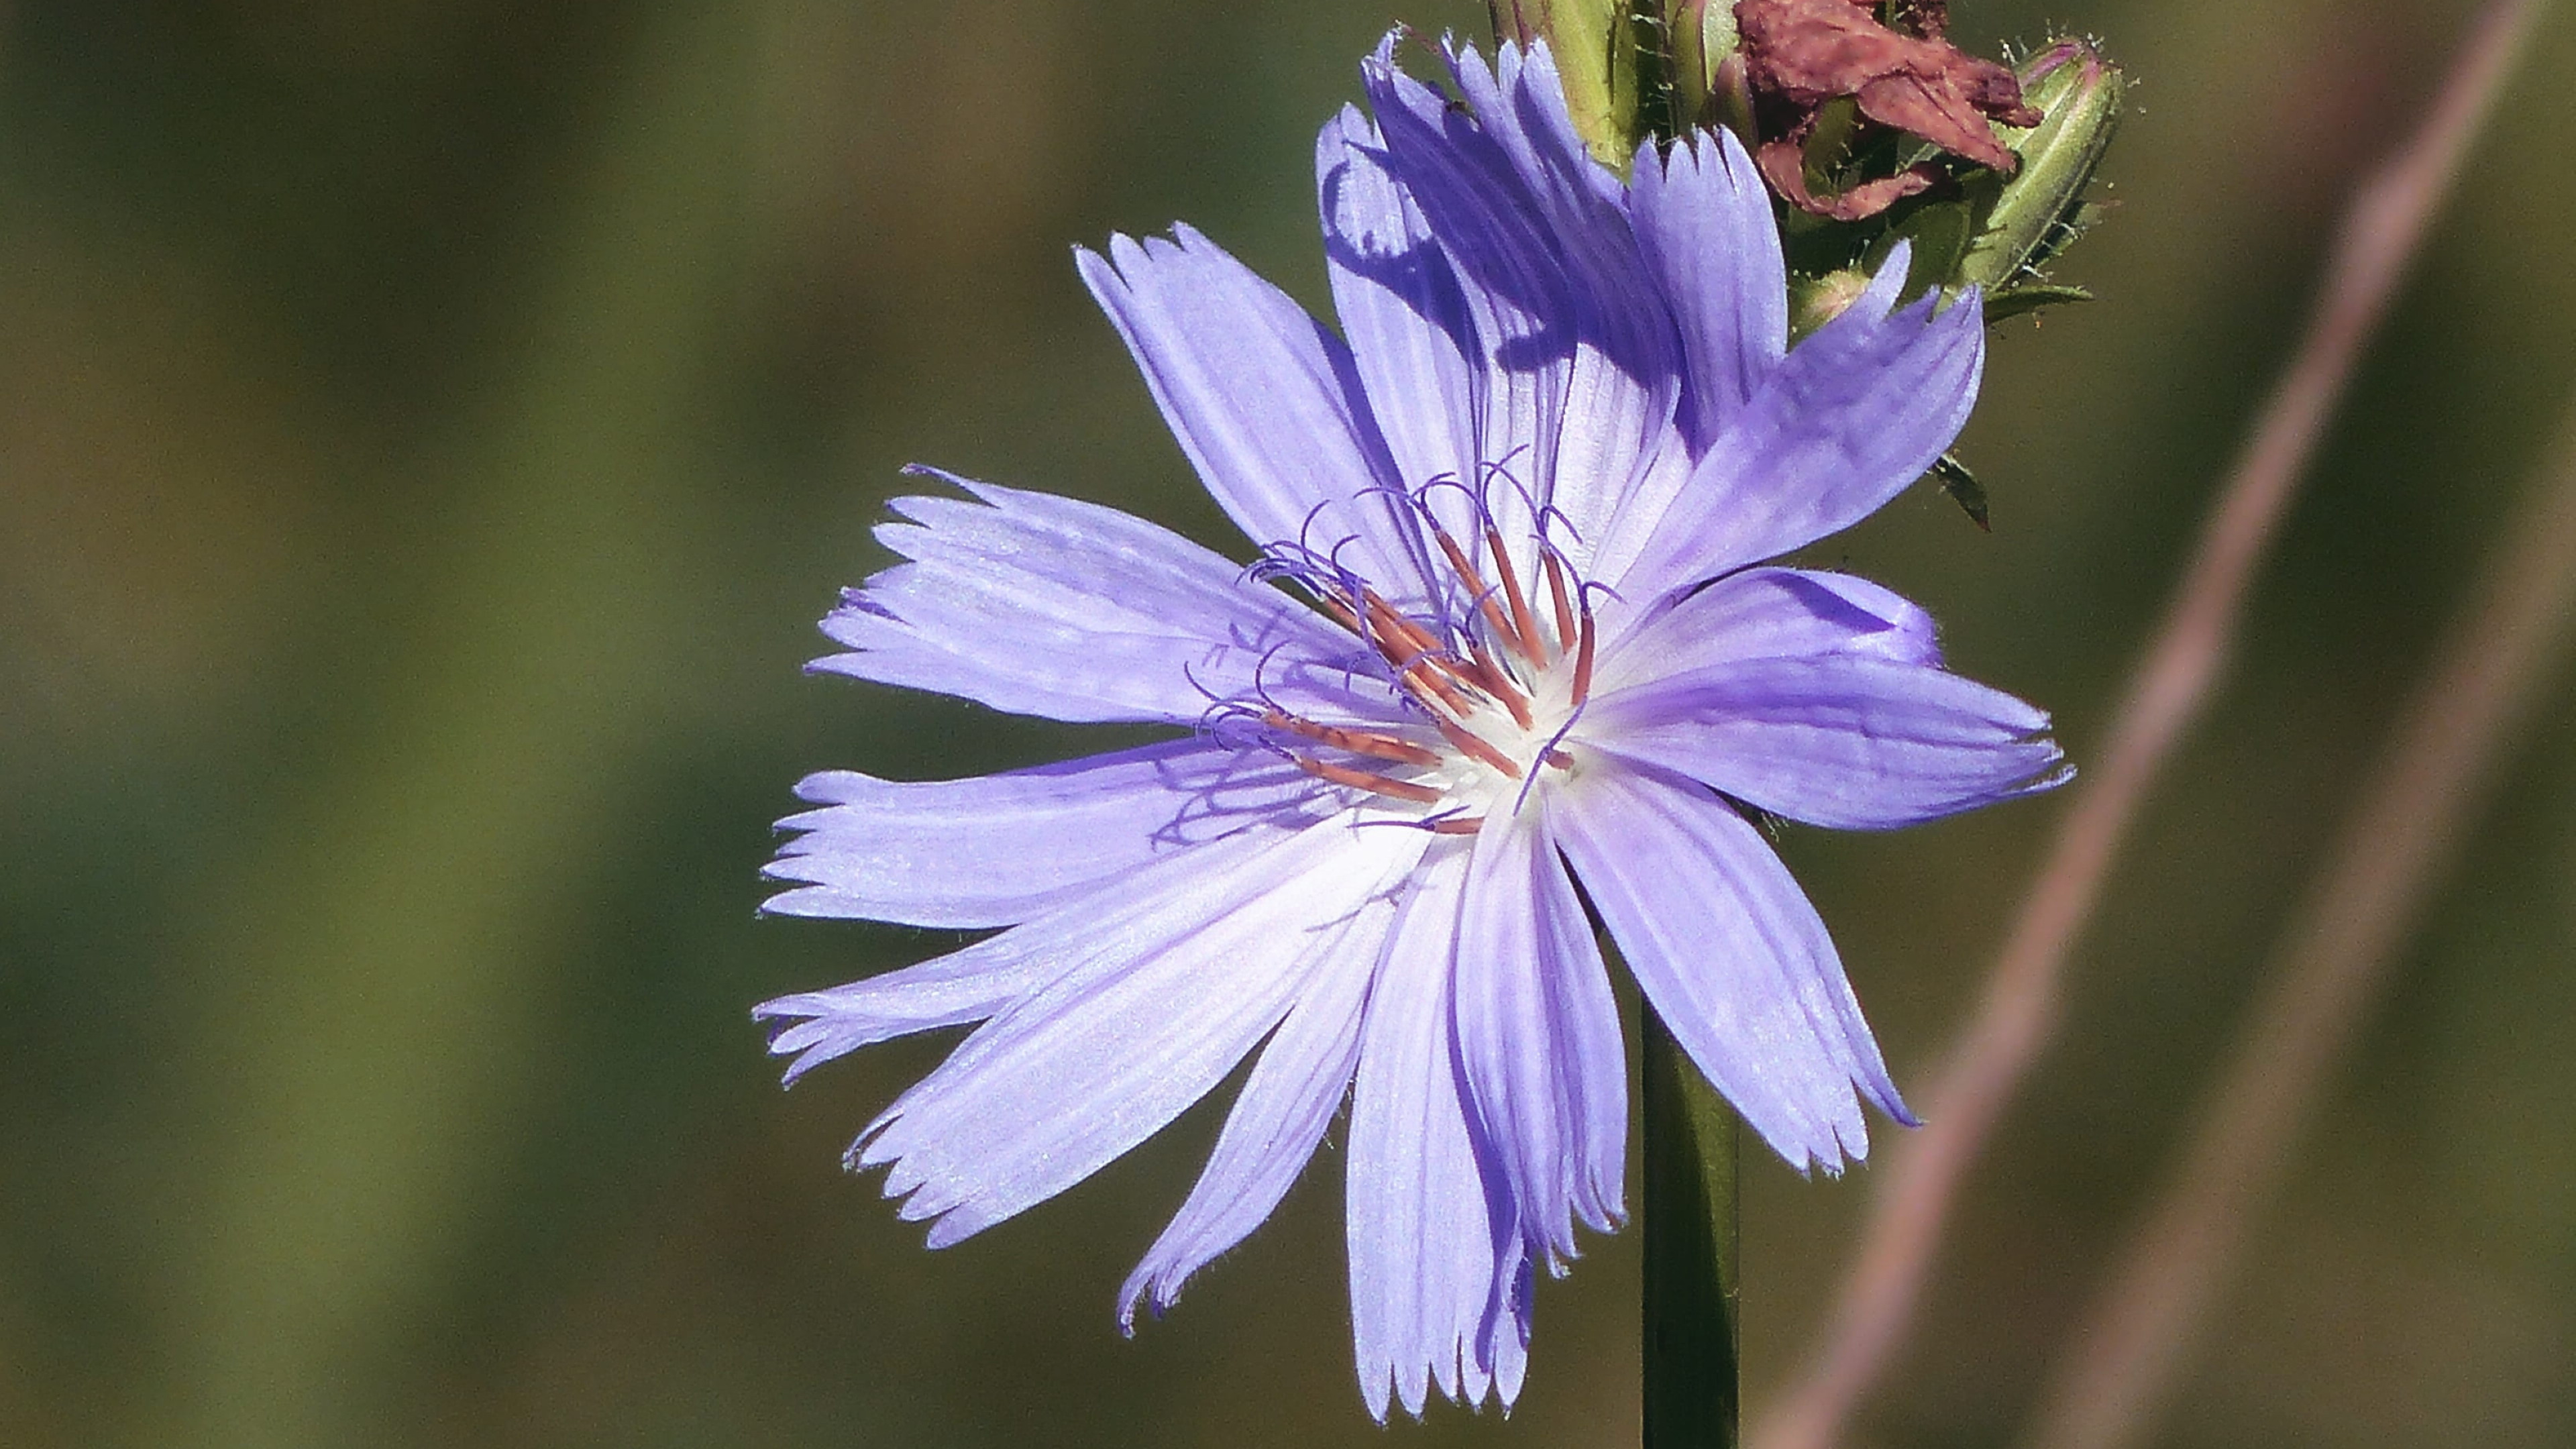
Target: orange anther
[
  {"x": 1475, "y": 582},
  {"x": 1358, "y": 742},
  {"x": 1564, "y": 606},
  {"x": 1524, "y": 627},
  {"x": 1374, "y": 784},
  {"x": 1498, "y": 684},
  {"x": 1583, "y": 661},
  {"x": 1468, "y": 743}
]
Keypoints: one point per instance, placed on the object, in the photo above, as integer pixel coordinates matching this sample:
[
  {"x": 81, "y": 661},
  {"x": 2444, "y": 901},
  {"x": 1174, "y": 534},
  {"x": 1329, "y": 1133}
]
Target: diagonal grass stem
[
  {"x": 2380, "y": 235},
  {"x": 2329, "y": 969}
]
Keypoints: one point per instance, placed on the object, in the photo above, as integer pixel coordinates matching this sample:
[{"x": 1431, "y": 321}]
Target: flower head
[{"x": 1508, "y": 630}]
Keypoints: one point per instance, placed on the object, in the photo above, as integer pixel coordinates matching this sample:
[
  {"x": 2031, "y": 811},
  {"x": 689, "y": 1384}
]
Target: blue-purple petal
[
  {"x": 1767, "y": 613},
  {"x": 1437, "y": 1267},
  {"x": 1400, "y": 305},
  {"x": 992, "y": 976},
  {"x": 1732, "y": 958},
  {"x": 1624, "y": 384},
  {"x": 1038, "y": 604},
  {"x": 1851, "y": 416},
  {"x": 1538, "y": 1035},
  {"x": 952, "y": 990},
  {"x": 1844, "y": 741},
  {"x": 1150, "y": 1009},
  {"x": 1580, "y": 359},
  {"x": 1265, "y": 401},
  {"x": 999, "y": 849},
  {"x": 1518, "y": 298},
  {"x": 1703, "y": 220},
  {"x": 1295, "y": 1088}
]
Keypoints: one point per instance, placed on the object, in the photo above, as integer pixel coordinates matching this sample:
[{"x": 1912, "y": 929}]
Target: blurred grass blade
[{"x": 384, "y": 945}]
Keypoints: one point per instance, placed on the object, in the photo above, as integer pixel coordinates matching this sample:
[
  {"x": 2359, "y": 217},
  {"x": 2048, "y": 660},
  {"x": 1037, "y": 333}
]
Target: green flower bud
[
  {"x": 1815, "y": 301},
  {"x": 1599, "y": 55},
  {"x": 1700, "y": 39},
  {"x": 2042, "y": 206}
]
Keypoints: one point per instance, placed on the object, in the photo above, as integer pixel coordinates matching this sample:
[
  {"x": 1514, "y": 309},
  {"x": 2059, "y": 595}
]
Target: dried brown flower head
[{"x": 1801, "y": 55}]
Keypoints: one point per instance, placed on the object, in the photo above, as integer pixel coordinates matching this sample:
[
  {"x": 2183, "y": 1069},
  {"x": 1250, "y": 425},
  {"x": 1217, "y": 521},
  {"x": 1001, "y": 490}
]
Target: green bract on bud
[
  {"x": 1631, "y": 69},
  {"x": 1815, "y": 301},
  {"x": 1700, "y": 44},
  {"x": 2042, "y": 206},
  {"x": 1599, "y": 53}
]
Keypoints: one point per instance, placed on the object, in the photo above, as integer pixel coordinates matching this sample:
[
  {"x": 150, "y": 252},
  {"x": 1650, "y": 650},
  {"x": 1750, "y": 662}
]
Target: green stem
[{"x": 1689, "y": 1209}]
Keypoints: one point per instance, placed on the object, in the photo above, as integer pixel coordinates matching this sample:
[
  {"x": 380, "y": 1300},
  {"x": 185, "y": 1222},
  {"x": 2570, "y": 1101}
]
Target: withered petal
[
  {"x": 1807, "y": 52},
  {"x": 1933, "y": 108},
  {"x": 1783, "y": 164}
]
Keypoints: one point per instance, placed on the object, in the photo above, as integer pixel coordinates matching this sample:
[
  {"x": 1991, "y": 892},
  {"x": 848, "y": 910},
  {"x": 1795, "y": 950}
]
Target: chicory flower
[{"x": 1509, "y": 646}]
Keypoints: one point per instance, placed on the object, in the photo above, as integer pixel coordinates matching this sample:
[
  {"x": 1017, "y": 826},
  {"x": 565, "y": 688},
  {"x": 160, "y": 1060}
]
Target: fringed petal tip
[
  {"x": 1470, "y": 1379},
  {"x": 1156, "y": 1289},
  {"x": 2058, "y": 771},
  {"x": 1883, "y": 1095},
  {"x": 808, "y": 901},
  {"x": 1134, "y": 1294},
  {"x": 1292, "y": 460},
  {"x": 1848, "y": 1133},
  {"x": 799, "y": 1027}
]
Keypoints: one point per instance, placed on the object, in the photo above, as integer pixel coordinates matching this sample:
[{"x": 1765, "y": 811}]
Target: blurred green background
[{"x": 428, "y": 431}]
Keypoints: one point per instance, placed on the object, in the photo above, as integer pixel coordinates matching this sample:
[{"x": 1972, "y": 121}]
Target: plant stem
[{"x": 1689, "y": 1209}]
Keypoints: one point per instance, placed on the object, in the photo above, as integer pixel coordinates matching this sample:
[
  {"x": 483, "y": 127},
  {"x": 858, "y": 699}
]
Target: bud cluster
[{"x": 1869, "y": 126}]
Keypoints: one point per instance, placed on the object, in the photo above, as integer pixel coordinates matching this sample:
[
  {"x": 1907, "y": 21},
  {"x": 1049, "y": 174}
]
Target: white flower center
[{"x": 1494, "y": 693}]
